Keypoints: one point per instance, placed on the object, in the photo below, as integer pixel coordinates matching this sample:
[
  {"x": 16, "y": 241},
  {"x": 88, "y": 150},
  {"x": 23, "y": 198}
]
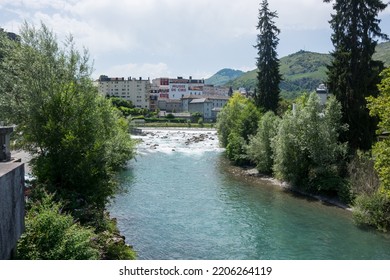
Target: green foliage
[
  {"x": 196, "y": 116},
  {"x": 200, "y": 122},
  {"x": 120, "y": 102},
  {"x": 115, "y": 248},
  {"x": 112, "y": 245},
  {"x": 239, "y": 115},
  {"x": 170, "y": 116},
  {"x": 52, "y": 235},
  {"x": 268, "y": 76},
  {"x": 259, "y": 149},
  {"x": 235, "y": 149},
  {"x": 236, "y": 122},
  {"x": 362, "y": 176},
  {"x": 353, "y": 74},
  {"x": 373, "y": 210},
  {"x": 373, "y": 207},
  {"x": 77, "y": 137},
  {"x": 306, "y": 149},
  {"x": 380, "y": 107}
]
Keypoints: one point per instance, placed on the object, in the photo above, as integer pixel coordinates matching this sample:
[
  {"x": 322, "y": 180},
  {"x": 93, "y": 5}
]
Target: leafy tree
[
  {"x": 373, "y": 207},
  {"x": 235, "y": 149},
  {"x": 307, "y": 152},
  {"x": 268, "y": 75},
  {"x": 353, "y": 74},
  {"x": 238, "y": 115},
  {"x": 52, "y": 235},
  {"x": 380, "y": 107},
  {"x": 76, "y": 136},
  {"x": 259, "y": 149},
  {"x": 236, "y": 122}
]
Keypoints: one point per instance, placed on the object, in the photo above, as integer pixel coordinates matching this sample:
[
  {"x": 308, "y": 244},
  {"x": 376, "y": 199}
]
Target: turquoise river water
[{"x": 183, "y": 201}]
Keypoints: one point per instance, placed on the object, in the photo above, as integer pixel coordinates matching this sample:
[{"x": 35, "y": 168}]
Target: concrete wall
[{"x": 11, "y": 206}]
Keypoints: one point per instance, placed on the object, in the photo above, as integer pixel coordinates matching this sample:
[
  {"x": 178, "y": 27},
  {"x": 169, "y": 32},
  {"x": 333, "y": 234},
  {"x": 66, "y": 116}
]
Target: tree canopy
[{"x": 353, "y": 74}]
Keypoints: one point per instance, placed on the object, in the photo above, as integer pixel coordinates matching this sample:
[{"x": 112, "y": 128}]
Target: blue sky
[{"x": 157, "y": 38}]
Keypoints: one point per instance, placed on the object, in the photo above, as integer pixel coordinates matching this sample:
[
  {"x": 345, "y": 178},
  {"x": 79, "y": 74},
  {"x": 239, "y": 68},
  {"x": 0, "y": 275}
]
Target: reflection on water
[{"x": 183, "y": 203}]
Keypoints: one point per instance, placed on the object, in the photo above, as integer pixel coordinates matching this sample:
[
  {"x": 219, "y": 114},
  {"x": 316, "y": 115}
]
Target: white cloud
[
  {"x": 184, "y": 34},
  {"x": 142, "y": 70}
]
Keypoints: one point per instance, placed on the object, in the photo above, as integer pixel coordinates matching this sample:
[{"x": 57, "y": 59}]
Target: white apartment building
[
  {"x": 135, "y": 90},
  {"x": 178, "y": 88}
]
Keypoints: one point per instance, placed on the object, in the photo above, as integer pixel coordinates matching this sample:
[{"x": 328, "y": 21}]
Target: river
[{"x": 182, "y": 201}]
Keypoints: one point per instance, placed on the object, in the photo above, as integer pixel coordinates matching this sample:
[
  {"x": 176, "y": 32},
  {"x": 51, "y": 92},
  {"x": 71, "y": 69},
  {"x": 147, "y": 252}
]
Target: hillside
[
  {"x": 303, "y": 71},
  {"x": 223, "y": 76},
  {"x": 383, "y": 53}
]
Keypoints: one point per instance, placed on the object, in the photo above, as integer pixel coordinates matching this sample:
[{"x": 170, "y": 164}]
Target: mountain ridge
[{"x": 302, "y": 71}]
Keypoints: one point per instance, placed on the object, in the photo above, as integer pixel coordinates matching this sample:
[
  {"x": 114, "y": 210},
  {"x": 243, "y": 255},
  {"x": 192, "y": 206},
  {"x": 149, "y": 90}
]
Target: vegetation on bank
[
  {"x": 78, "y": 140},
  {"x": 327, "y": 150},
  {"x": 300, "y": 147}
]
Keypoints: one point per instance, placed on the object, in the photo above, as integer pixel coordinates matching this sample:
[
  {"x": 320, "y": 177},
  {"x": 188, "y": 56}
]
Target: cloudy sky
[{"x": 169, "y": 38}]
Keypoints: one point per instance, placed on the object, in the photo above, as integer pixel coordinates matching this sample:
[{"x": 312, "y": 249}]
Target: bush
[
  {"x": 52, "y": 235},
  {"x": 373, "y": 210},
  {"x": 362, "y": 176}
]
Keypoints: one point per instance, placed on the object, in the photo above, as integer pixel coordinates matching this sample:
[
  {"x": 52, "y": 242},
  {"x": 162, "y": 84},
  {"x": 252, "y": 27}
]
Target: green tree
[
  {"x": 373, "y": 208},
  {"x": 268, "y": 75},
  {"x": 379, "y": 107},
  {"x": 353, "y": 74},
  {"x": 76, "y": 136},
  {"x": 236, "y": 122},
  {"x": 307, "y": 152},
  {"x": 259, "y": 149}
]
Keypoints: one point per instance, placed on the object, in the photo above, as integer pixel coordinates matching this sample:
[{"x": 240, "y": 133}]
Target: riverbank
[{"x": 254, "y": 174}]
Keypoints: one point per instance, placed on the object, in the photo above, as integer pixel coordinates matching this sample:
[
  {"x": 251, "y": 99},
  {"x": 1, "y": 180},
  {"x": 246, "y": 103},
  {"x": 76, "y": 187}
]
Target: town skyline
[{"x": 173, "y": 38}]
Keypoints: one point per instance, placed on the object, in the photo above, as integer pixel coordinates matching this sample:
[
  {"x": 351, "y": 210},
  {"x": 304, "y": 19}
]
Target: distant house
[
  {"x": 170, "y": 105},
  {"x": 208, "y": 106},
  {"x": 203, "y": 106}
]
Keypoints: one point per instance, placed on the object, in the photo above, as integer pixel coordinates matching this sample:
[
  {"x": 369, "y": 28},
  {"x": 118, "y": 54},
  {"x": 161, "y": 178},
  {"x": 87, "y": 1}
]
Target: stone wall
[{"x": 11, "y": 206}]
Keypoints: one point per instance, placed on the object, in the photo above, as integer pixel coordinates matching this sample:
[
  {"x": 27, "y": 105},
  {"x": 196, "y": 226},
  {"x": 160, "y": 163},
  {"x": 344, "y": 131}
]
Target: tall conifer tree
[
  {"x": 268, "y": 75},
  {"x": 353, "y": 74}
]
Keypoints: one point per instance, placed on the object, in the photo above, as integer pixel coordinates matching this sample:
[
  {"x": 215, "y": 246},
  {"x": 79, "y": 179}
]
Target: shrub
[
  {"x": 362, "y": 176},
  {"x": 52, "y": 235},
  {"x": 373, "y": 210}
]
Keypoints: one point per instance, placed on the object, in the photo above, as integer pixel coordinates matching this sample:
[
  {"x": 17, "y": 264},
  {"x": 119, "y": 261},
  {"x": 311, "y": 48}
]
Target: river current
[{"x": 182, "y": 201}]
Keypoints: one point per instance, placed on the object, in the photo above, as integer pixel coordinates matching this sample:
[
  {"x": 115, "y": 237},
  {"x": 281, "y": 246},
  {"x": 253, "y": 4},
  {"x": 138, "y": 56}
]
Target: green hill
[
  {"x": 383, "y": 53},
  {"x": 223, "y": 76},
  {"x": 303, "y": 71}
]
